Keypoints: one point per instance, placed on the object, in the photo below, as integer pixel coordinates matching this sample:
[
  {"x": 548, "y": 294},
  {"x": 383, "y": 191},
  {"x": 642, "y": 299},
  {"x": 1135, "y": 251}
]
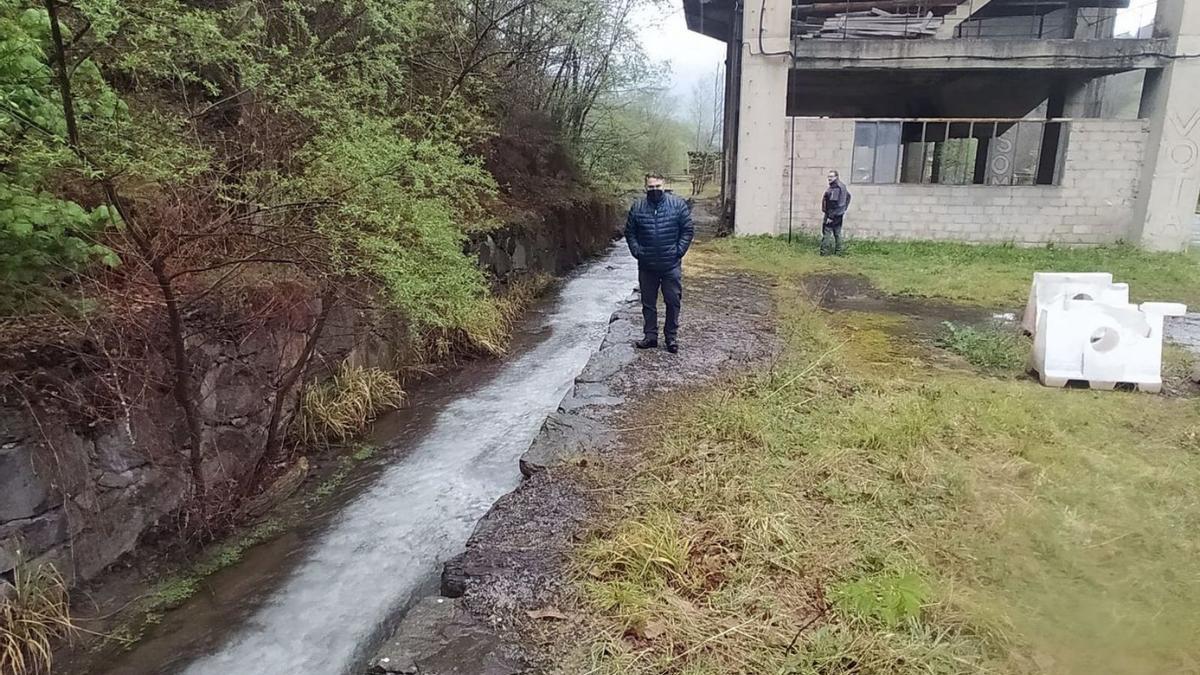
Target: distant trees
[
  {"x": 632, "y": 134},
  {"x": 706, "y": 111},
  {"x": 706, "y": 117}
]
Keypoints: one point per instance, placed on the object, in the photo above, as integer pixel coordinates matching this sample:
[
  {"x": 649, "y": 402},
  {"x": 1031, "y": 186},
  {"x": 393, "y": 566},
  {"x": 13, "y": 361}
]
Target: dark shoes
[{"x": 651, "y": 343}]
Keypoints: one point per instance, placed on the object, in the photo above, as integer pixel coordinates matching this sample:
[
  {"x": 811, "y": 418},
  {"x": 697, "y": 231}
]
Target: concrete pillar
[
  {"x": 1170, "y": 183},
  {"x": 733, "y": 83},
  {"x": 1084, "y": 100},
  {"x": 762, "y": 108}
]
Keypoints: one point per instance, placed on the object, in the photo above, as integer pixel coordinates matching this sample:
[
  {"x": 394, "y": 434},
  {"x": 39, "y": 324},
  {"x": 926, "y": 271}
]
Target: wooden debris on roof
[{"x": 874, "y": 23}]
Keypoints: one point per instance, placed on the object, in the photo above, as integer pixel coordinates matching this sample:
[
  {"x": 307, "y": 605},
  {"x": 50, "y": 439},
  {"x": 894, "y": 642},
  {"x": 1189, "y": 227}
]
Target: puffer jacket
[{"x": 659, "y": 234}]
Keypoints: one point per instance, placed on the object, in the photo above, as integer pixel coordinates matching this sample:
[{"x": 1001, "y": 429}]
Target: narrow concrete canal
[{"x": 348, "y": 579}]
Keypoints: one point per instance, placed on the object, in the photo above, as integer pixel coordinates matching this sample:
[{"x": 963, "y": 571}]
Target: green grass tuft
[
  {"x": 891, "y": 599},
  {"x": 995, "y": 348},
  {"x": 341, "y": 408}
]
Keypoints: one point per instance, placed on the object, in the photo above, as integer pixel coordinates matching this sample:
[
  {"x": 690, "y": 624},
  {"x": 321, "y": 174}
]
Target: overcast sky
[
  {"x": 690, "y": 56},
  {"x": 1139, "y": 13}
]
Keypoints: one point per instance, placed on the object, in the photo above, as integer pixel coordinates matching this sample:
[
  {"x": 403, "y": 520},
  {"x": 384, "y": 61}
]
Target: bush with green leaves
[
  {"x": 402, "y": 212},
  {"x": 42, "y": 235}
]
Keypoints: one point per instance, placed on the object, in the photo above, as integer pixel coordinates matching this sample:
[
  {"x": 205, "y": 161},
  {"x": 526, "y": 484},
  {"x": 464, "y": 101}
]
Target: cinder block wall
[{"x": 1093, "y": 205}]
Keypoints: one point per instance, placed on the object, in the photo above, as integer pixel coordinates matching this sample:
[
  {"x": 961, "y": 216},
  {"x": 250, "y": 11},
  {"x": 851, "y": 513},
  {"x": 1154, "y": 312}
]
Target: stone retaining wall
[{"x": 80, "y": 493}]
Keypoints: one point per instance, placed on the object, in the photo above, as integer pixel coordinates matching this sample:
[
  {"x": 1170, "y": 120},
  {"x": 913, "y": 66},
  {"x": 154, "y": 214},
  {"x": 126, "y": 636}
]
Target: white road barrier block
[
  {"x": 1104, "y": 345},
  {"x": 1051, "y": 288}
]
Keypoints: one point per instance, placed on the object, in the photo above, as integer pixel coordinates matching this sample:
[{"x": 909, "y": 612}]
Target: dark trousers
[
  {"x": 831, "y": 235},
  {"x": 671, "y": 283}
]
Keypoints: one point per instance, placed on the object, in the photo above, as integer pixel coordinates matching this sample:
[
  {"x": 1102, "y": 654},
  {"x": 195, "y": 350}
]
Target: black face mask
[{"x": 655, "y": 195}]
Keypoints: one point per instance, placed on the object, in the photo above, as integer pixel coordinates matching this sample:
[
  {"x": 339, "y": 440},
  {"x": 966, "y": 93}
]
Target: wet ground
[
  {"x": 925, "y": 317},
  {"x": 514, "y": 572},
  {"x": 1184, "y": 331}
]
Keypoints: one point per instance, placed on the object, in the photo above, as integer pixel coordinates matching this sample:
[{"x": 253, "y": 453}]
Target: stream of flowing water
[{"x": 350, "y": 578}]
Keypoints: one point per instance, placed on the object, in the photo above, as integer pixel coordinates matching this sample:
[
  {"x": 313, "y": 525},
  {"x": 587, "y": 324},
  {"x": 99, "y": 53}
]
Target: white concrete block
[
  {"x": 1102, "y": 344},
  {"x": 1051, "y": 288}
]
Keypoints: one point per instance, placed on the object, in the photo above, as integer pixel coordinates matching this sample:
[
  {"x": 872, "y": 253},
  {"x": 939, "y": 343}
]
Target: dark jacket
[
  {"x": 836, "y": 201},
  {"x": 659, "y": 234}
]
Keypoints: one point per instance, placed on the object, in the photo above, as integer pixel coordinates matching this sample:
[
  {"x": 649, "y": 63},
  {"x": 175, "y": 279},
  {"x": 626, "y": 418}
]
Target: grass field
[
  {"x": 984, "y": 275},
  {"x": 865, "y": 508}
]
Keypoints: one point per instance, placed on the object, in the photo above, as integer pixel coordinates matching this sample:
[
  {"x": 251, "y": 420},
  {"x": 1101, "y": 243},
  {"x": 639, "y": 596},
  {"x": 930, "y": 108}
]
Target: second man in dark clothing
[
  {"x": 834, "y": 205},
  {"x": 659, "y": 232}
]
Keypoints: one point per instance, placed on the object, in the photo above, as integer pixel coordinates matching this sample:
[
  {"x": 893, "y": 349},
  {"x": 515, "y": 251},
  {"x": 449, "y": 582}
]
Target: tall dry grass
[
  {"x": 34, "y": 613},
  {"x": 341, "y": 407},
  {"x": 492, "y": 332}
]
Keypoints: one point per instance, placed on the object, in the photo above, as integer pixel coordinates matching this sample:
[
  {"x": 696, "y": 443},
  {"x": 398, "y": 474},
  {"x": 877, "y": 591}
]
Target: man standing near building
[
  {"x": 834, "y": 205},
  {"x": 659, "y": 231}
]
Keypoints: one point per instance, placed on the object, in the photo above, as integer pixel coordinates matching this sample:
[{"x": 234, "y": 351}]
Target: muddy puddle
[{"x": 925, "y": 318}]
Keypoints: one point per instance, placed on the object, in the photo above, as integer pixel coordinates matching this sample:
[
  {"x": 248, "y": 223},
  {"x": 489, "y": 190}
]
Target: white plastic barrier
[
  {"x": 1101, "y": 344},
  {"x": 1051, "y": 288}
]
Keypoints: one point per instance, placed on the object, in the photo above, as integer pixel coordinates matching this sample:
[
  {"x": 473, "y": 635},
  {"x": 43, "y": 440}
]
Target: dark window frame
[{"x": 984, "y": 154}]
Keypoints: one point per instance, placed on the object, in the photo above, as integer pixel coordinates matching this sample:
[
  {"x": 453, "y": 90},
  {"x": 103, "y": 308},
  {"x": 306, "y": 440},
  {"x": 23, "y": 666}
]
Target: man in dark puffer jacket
[{"x": 659, "y": 231}]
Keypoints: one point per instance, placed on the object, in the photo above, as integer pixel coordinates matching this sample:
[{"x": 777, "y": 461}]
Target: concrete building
[{"x": 1024, "y": 121}]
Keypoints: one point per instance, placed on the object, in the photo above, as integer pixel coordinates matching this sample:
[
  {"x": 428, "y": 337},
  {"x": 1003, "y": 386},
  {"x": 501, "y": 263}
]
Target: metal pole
[{"x": 792, "y": 181}]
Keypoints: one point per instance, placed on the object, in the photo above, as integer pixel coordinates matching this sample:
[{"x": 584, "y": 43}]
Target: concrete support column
[
  {"x": 733, "y": 83},
  {"x": 1084, "y": 100},
  {"x": 1170, "y": 182},
  {"x": 762, "y": 108}
]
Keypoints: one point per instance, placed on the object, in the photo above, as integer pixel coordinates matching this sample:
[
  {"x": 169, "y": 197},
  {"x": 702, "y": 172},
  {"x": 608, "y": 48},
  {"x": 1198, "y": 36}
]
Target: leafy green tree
[{"x": 42, "y": 235}]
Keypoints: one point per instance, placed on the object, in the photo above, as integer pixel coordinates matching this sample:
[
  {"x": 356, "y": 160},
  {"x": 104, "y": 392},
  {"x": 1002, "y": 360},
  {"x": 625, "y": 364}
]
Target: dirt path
[{"x": 516, "y": 562}]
